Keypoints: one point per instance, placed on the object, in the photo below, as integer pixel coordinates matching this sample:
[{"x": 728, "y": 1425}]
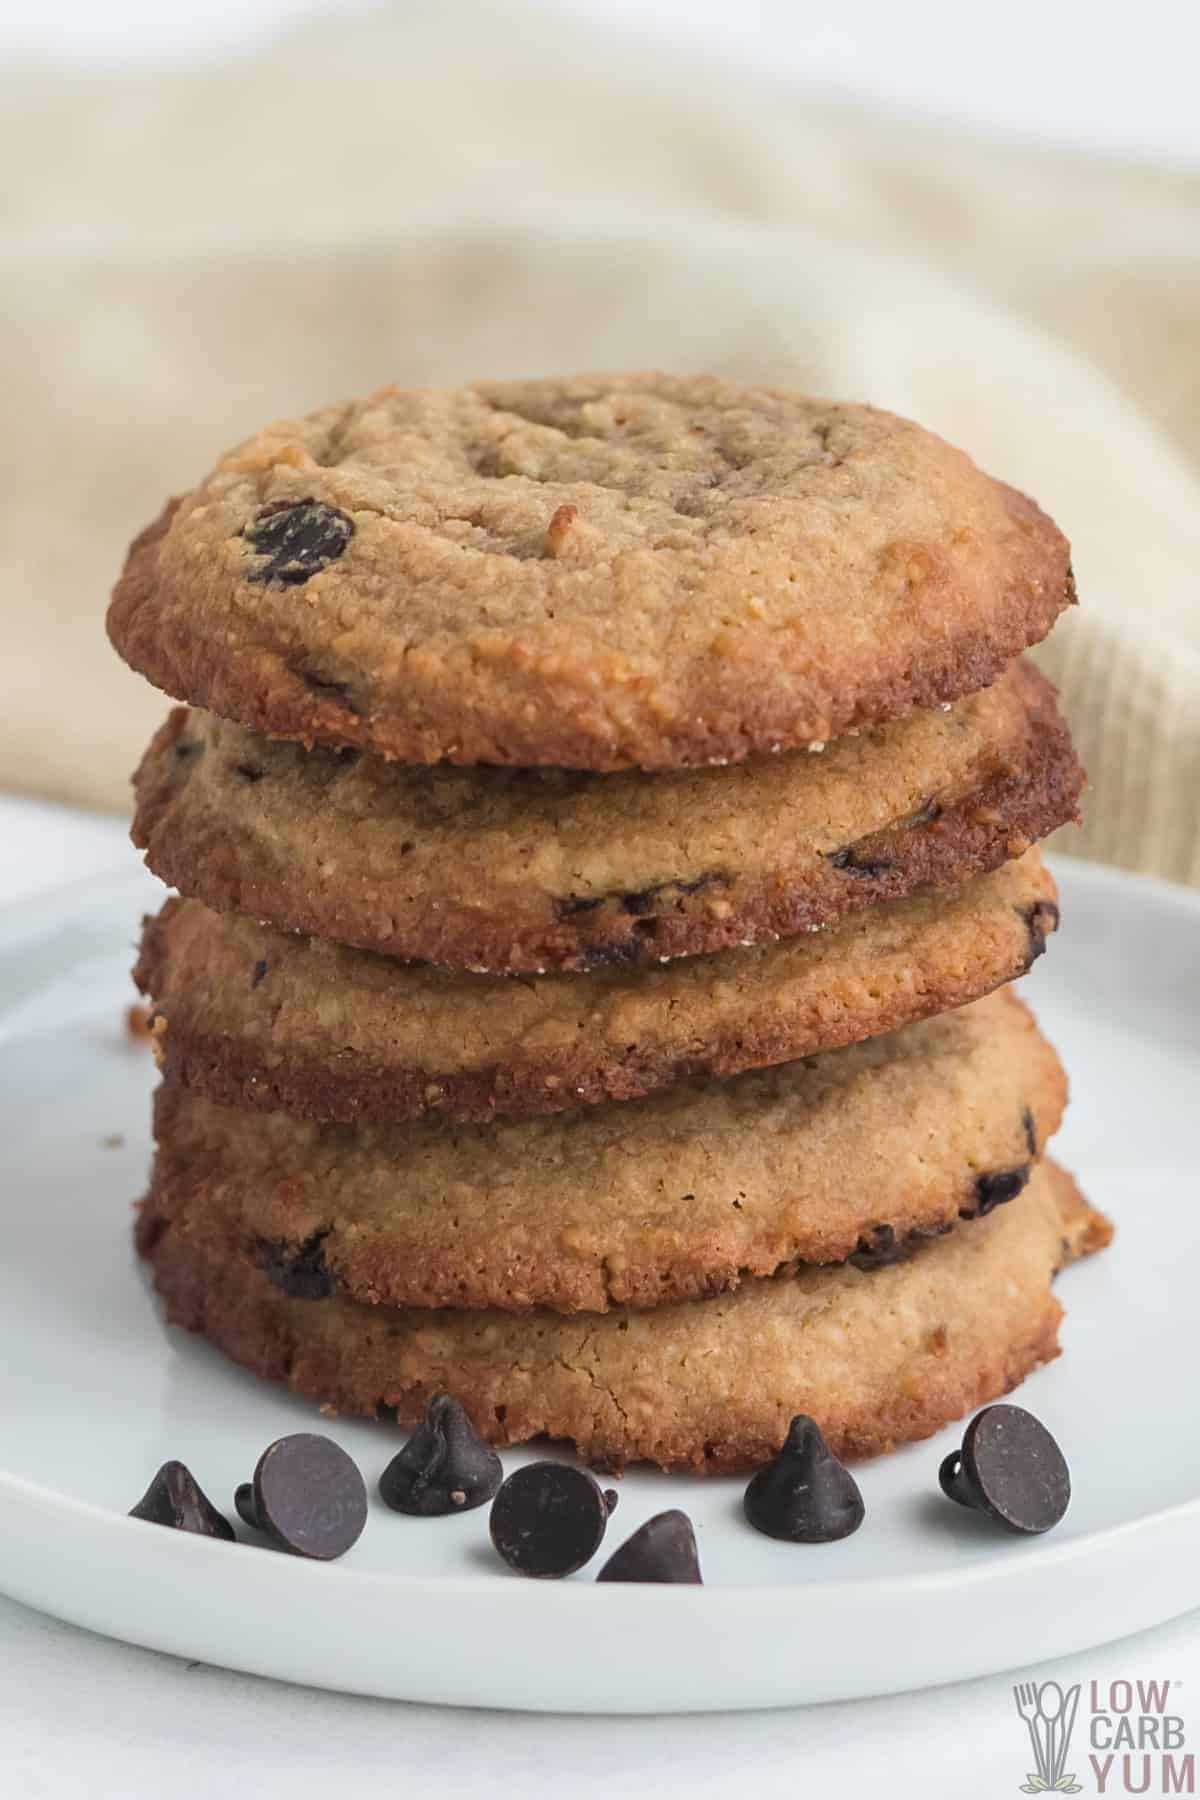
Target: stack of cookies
[{"x": 603, "y": 821}]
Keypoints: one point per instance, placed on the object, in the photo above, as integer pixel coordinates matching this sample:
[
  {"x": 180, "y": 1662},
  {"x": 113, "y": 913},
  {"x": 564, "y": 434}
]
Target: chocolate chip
[
  {"x": 638, "y": 901},
  {"x": 548, "y": 1519},
  {"x": 856, "y": 862},
  {"x": 307, "y": 1497},
  {"x": 804, "y": 1496},
  {"x": 174, "y": 1498},
  {"x": 881, "y": 1245},
  {"x": 445, "y": 1467},
  {"x": 260, "y": 970},
  {"x": 995, "y": 1188},
  {"x": 611, "y": 956},
  {"x": 1010, "y": 1469},
  {"x": 571, "y": 904},
  {"x": 1030, "y": 1128},
  {"x": 250, "y": 772},
  {"x": 1041, "y": 919},
  {"x": 300, "y": 1271},
  {"x": 663, "y": 1549},
  {"x": 325, "y": 684},
  {"x": 297, "y": 541}
]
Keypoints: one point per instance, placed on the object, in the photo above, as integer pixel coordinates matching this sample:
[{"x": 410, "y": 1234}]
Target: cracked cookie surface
[
  {"x": 863, "y": 1151},
  {"x": 270, "y": 1021},
  {"x": 596, "y": 572},
  {"x": 527, "y": 870},
  {"x": 878, "y": 1359}
]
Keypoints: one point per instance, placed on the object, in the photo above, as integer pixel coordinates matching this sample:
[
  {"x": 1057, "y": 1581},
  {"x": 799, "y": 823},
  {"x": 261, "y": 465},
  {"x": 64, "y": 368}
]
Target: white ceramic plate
[{"x": 95, "y": 1393}]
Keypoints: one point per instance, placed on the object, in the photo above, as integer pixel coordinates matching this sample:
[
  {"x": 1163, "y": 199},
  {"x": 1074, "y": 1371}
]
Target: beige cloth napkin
[{"x": 438, "y": 191}]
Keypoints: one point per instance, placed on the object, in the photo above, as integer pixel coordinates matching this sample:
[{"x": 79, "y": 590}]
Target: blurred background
[{"x": 216, "y": 214}]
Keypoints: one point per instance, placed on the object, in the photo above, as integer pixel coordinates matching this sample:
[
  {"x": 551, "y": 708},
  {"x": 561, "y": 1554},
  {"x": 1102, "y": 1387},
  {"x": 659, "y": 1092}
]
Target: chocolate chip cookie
[
  {"x": 534, "y": 869},
  {"x": 268, "y": 1020},
  {"x": 598, "y": 572},
  {"x": 877, "y": 1358},
  {"x": 860, "y": 1152}
]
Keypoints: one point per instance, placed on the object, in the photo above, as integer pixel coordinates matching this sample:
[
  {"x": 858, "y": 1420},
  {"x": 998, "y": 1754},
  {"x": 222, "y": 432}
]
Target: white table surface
[{"x": 82, "y": 1716}]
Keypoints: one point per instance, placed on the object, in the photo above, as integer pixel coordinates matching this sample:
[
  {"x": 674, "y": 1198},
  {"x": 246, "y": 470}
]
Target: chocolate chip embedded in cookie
[
  {"x": 594, "y": 572},
  {"x": 527, "y": 870},
  {"x": 266, "y": 1020},
  {"x": 876, "y": 1359},
  {"x": 680, "y": 1195}
]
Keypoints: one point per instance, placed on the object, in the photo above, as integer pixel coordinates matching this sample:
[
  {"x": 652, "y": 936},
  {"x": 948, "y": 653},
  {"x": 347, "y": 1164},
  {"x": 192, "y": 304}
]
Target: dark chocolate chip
[
  {"x": 307, "y": 1497},
  {"x": 445, "y": 1467},
  {"x": 638, "y": 901},
  {"x": 298, "y": 1270},
  {"x": 260, "y": 970},
  {"x": 663, "y": 1549},
  {"x": 855, "y": 862},
  {"x": 612, "y": 956},
  {"x": 804, "y": 1496},
  {"x": 995, "y": 1188},
  {"x": 297, "y": 541},
  {"x": 1041, "y": 919},
  {"x": 250, "y": 772},
  {"x": 611, "y": 1499},
  {"x": 548, "y": 1519},
  {"x": 571, "y": 904},
  {"x": 1027, "y": 1121},
  {"x": 1010, "y": 1469},
  {"x": 642, "y": 900},
  {"x": 882, "y": 1246},
  {"x": 324, "y": 684},
  {"x": 174, "y": 1498}
]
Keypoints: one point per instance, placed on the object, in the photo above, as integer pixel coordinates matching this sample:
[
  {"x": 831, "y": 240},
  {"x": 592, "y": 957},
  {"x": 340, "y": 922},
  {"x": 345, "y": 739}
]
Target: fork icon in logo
[{"x": 1049, "y": 1716}]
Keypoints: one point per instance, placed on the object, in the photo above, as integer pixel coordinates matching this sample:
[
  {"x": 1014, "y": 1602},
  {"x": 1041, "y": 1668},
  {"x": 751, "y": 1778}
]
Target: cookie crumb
[
  {"x": 139, "y": 1022},
  {"x": 558, "y": 530}
]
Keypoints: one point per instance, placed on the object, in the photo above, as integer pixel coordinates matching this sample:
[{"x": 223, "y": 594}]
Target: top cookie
[{"x": 593, "y": 572}]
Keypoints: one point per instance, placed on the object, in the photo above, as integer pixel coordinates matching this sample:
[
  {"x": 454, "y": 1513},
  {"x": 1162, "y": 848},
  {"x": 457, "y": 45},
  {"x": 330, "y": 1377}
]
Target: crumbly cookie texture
[
  {"x": 862, "y": 1151},
  {"x": 267, "y": 1020},
  {"x": 596, "y": 572},
  {"x": 533, "y": 869},
  {"x": 878, "y": 1358}
]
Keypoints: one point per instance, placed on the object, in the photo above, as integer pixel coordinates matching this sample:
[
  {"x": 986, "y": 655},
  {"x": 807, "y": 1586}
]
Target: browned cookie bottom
[{"x": 878, "y": 1359}]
